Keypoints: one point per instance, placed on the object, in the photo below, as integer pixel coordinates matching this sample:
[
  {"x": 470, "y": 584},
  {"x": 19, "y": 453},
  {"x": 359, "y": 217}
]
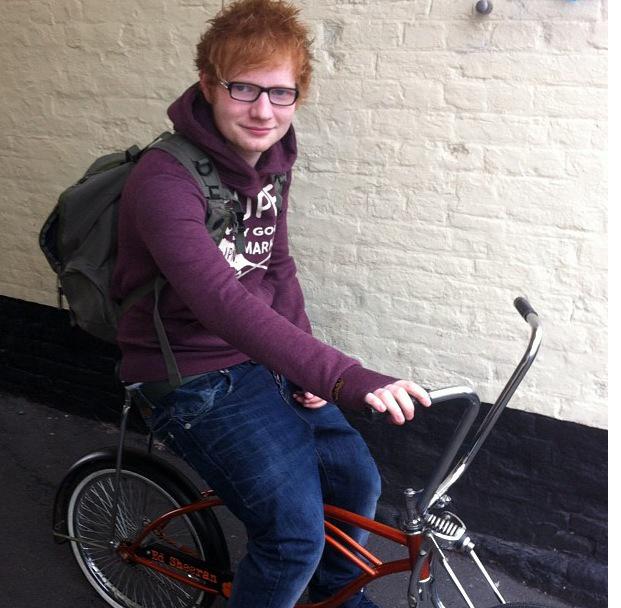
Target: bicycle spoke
[{"x": 139, "y": 501}]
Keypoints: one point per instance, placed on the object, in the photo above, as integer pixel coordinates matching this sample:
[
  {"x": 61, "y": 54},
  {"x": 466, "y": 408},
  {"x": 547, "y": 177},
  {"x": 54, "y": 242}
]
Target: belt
[{"x": 154, "y": 391}]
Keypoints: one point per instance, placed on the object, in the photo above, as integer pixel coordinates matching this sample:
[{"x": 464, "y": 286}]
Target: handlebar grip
[{"x": 523, "y": 307}]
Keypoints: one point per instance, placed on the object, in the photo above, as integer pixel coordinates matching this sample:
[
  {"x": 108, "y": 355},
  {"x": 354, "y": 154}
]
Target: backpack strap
[
  {"x": 174, "y": 376},
  {"x": 197, "y": 163},
  {"x": 279, "y": 180},
  {"x": 203, "y": 170},
  {"x": 155, "y": 286}
]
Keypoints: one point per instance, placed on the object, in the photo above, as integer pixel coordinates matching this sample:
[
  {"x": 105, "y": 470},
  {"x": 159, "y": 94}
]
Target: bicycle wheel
[
  {"x": 144, "y": 495},
  {"x": 519, "y": 605},
  {"x": 442, "y": 593}
]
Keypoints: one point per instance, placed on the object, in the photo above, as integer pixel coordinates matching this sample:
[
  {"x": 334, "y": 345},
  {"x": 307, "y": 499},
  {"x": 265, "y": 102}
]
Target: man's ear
[{"x": 205, "y": 87}]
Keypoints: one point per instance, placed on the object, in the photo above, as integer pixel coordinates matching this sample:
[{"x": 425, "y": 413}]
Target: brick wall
[{"x": 449, "y": 162}]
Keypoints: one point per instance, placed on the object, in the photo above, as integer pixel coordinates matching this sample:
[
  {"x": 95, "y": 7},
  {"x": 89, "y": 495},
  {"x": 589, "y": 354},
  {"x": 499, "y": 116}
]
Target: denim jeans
[{"x": 274, "y": 463}]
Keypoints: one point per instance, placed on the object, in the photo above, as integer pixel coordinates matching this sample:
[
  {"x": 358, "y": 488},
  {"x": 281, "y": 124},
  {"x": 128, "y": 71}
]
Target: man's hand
[
  {"x": 396, "y": 400},
  {"x": 309, "y": 400}
]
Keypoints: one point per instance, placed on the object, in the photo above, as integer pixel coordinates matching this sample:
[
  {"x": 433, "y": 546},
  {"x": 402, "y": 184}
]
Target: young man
[{"x": 256, "y": 413}]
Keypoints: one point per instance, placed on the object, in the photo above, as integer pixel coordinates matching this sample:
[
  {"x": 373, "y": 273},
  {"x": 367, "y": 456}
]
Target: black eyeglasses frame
[{"x": 227, "y": 85}]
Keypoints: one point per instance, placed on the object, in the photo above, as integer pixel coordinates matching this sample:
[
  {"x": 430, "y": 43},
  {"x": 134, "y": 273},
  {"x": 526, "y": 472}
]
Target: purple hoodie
[{"x": 220, "y": 309}]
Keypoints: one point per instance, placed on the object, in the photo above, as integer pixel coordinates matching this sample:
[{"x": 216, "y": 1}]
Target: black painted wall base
[{"x": 535, "y": 499}]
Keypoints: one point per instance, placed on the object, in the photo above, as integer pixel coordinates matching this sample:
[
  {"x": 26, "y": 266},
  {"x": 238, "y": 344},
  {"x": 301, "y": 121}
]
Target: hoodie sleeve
[{"x": 282, "y": 273}]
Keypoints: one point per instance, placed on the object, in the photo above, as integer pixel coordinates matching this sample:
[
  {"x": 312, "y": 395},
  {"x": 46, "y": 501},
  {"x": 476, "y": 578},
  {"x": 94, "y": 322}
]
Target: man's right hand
[{"x": 395, "y": 399}]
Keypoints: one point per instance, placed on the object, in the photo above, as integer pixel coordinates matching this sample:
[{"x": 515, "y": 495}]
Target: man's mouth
[{"x": 258, "y": 130}]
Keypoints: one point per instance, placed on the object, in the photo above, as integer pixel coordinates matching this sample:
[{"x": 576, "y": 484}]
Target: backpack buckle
[
  {"x": 204, "y": 166},
  {"x": 214, "y": 193},
  {"x": 132, "y": 154}
]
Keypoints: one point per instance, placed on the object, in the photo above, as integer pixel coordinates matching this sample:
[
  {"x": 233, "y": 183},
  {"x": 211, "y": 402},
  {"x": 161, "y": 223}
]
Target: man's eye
[
  {"x": 242, "y": 88},
  {"x": 283, "y": 93}
]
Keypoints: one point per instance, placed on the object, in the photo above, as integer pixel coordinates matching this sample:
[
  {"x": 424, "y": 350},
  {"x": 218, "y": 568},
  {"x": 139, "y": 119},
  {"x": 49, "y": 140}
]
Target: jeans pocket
[{"x": 191, "y": 401}]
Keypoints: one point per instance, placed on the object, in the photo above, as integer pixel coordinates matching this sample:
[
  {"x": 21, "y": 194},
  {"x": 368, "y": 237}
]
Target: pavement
[{"x": 39, "y": 443}]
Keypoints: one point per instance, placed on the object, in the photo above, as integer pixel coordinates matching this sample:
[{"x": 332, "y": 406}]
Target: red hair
[{"x": 250, "y": 34}]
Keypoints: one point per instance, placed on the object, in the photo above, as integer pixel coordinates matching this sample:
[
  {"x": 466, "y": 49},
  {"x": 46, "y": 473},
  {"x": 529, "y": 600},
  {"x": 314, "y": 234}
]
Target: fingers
[
  {"x": 309, "y": 400},
  {"x": 383, "y": 400},
  {"x": 396, "y": 400},
  {"x": 418, "y": 392}
]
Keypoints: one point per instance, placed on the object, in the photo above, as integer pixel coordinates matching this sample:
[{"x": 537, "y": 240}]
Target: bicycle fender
[{"x": 137, "y": 457}]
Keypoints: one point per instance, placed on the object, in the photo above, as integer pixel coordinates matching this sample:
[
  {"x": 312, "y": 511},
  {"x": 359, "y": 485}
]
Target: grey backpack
[{"x": 79, "y": 238}]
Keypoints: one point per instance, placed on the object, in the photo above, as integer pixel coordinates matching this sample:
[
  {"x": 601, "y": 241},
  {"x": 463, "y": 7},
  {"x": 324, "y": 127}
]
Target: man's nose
[{"x": 262, "y": 107}]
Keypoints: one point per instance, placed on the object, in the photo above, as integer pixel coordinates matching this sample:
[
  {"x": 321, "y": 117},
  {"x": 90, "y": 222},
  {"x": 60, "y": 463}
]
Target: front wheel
[
  {"x": 145, "y": 494},
  {"x": 519, "y": 605}
]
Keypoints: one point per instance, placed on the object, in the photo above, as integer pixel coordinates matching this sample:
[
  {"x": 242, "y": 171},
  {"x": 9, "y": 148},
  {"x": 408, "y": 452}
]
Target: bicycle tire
[
  {"x": 145, "y": 494},
  {"x": 520, "y": 605}
]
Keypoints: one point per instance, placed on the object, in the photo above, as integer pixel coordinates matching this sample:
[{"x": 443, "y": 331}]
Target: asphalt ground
[{"x": 39, "y": 443}]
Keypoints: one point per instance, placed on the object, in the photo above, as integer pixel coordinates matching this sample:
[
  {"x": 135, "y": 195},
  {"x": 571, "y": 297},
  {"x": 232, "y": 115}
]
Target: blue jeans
[{"x": 274, "y": 463}]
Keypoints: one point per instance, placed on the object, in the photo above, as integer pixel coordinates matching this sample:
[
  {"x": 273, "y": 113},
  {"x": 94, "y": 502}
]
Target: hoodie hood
[{"x": 192, "y": 116}]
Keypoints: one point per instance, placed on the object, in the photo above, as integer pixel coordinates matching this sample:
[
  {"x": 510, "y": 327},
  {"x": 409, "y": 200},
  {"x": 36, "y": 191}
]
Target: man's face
[{"x": 252, "y": 127}]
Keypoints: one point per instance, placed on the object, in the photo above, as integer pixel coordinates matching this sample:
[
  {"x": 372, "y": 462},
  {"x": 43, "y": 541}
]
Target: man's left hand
[{"x": 309, "y": 400}]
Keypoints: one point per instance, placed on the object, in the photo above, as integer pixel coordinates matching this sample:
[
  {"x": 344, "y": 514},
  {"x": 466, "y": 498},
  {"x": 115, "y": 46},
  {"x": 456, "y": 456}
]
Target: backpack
[{"x": 79, "y": 238}]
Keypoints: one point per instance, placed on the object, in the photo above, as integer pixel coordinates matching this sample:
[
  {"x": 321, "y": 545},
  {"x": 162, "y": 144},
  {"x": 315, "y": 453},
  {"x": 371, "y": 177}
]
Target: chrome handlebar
[{"x": 440, "y": 482}]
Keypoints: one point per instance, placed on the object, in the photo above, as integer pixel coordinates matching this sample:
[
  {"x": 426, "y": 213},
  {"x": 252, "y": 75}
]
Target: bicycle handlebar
[
  {"x": 472, "y": 406},
  {"x": 437, "y": 486},
  {"x": 523, "y": 307}
]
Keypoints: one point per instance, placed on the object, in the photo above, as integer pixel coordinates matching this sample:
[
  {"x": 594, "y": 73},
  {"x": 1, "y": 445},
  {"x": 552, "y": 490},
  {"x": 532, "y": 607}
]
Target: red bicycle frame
[{"x": 213, "y": 582}]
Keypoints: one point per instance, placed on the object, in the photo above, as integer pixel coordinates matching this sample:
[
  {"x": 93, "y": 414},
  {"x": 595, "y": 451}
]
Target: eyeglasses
[{"x": 244, "y": 91}]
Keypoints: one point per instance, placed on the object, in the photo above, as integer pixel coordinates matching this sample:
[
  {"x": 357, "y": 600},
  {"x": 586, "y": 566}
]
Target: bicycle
[{"x": 145, "y": 536}]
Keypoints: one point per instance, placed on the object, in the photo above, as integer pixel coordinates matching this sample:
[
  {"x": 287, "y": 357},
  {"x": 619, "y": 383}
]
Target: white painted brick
[
  {"x": 451, "y": 156},
  {"x": 423, "y": 95},
  {"x": 537, "y": 68},
  {"x": 404, "y": 10},
  {"x": 451, "y": 10},
  {"x": 509, "y": 98},
  {"x": 598, "y": 37},
  {"x": 567, "y": 36},
  {"x": 571, "y": 133},
  {"x": 409, "y": 124},
  {"x": 470, "y": 96},
  {"x": 588, "y": 167},
  {"x": 345, "y": 64},
  {"x": 400, "y": 64},
  {"x": 492, "y": 129},
  {"x": 432, "y": 208},
  {"x": 386, "y": 201},
  {"x": 473, "y": 36},
  {"x": 390, "y": 94},
  {"x": 422, "y": 181},
  {"x": 551, "y": 202},
  {"x": 517, "y": 36},
  {"x": 549, "y": 10},
  {"x": 599, "y": 138},
  {"x": 425, "y": 35},
  {"x": 67, "y": 11},
  {"x": 345, "y": 96},
  {"x": 356, "y": 35},
  {"x": 92, "y": 35},
  {"x": 581, "y": 102},
  {"x": 512, "y": 161}
]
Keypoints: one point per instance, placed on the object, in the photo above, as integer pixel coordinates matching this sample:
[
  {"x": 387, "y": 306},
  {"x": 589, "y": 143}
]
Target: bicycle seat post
[{"x": 119, "y": 457}]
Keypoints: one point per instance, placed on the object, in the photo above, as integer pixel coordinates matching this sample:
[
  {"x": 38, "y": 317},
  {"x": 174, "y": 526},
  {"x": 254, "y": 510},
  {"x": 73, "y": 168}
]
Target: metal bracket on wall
[{"x": 484, "y": 7}]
